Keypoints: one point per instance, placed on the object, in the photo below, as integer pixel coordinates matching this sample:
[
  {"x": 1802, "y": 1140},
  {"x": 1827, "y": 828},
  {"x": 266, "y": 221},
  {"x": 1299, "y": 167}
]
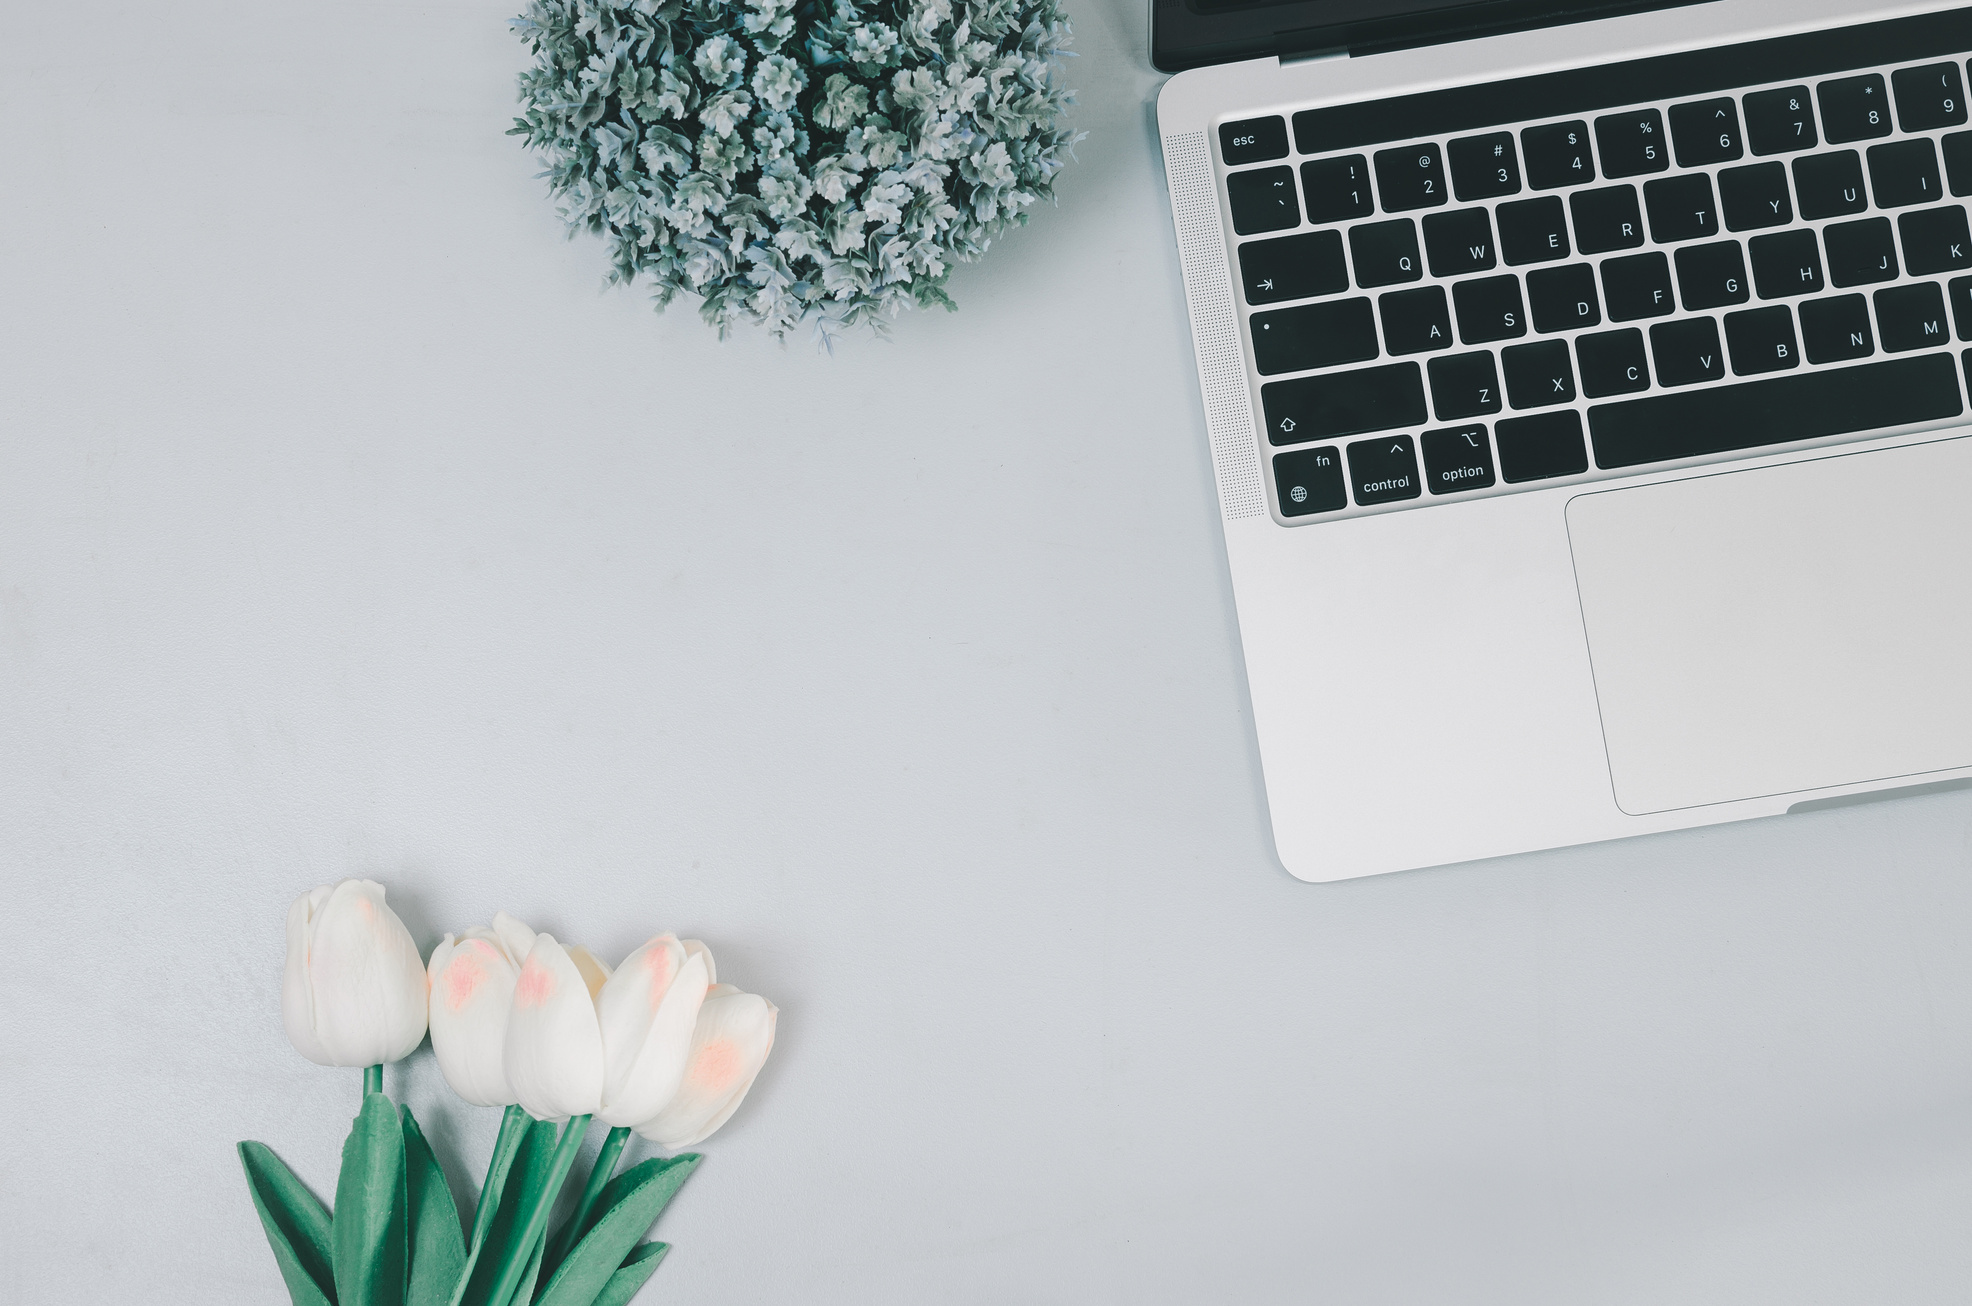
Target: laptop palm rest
[{"x": 1782, "y": 629}]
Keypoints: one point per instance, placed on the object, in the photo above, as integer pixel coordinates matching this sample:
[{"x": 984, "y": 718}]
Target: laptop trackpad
[{"x": 1782, "y": 629}]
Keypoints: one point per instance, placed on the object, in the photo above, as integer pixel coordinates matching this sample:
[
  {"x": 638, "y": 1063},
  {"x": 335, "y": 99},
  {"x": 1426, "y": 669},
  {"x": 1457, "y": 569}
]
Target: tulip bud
[
  {"x": 554, "y": 1050},
  {"x": 648, "y": 1009},
  {"x": 354, "y": 989},
  {"x": 472, "y": 991},
  {"x": 583, "y": 1040},
  {"x": 730, "y": 1043}
]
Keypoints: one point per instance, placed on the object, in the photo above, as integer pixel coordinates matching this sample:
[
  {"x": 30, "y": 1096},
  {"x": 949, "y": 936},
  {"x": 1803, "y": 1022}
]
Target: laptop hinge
[{"x": 1464, "y": 24}]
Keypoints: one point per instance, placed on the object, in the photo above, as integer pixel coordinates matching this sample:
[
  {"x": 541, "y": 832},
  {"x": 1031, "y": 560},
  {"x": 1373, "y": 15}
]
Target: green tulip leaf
[
  {"x": 371, "y": 1216},
  {"x": 524, "y": 1290},
  {"x": 630, "y": 1205},
  {"x": 526, "y": 1177},
  {"x": 297, "y": 1226},
  {"x": 438, "y": 1243},
  {"x": 623, "y": 1285}
]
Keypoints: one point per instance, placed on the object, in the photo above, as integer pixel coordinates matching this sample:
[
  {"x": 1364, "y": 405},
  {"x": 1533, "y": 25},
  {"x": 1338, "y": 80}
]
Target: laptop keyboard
[{"x": 1477, "y": 289}]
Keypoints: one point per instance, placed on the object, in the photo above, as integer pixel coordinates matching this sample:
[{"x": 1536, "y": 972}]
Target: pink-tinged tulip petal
[
  {"x": 554, "y": 1050},
  {"x": 696, "y": 949},
  {"x": 472, "y": 989},
  {"x": 355, "y": 989},
  {"x": 649, "y": 1009},
  {"x": 735, "y": 1032}
]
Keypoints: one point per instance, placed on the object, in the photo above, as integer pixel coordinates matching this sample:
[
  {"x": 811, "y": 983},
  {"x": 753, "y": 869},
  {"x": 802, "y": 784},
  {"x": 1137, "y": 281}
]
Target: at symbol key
[{"x": 1411, "y": 178}]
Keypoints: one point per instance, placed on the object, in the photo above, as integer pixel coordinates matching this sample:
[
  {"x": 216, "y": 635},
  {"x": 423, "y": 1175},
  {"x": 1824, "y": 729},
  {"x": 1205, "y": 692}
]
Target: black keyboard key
[
  {"x": 1411, "y": 178},
  {"x": 1786, "y": 263},
  {"x": 1606, "y": 220},
  {"x": 1762, "y": 341},
  {"x": 1855, "y": 109},
  {"x": 1961, "y": 305},
  {"x": 1755, "y": 197},
  {"x": 1861, "y": 252},
  {"x": 1830, "y": 185},
  {"x": 1533, "y": 231},
  {"x": 1384, "y": 470},
  {"x": 1416, "y": 321},
  {"x": 1538, "y": 376},
  {"x": 1310, "y": 481},
  {"x": 1613, "y": 363},
  {"x": 1808, "y": 405},
  {"x": 1637, "y": 287},
  {"x": 1912, "y": 317},
  {"x": 1457, "y": 459},
  {"x": 1837, "y": 330},
  {"x": 1706, "y": 132},
  {"x": 1466, "y": 385},
  {"x": 1385, "y": 253},
  {"x": 1563, "y": 299},
  {"x": 1337, "y": 189},
  {"x": 1558, "y": 155},
  {"x": 1459, "y": 244},
  {"x": 1313, "y": 335},
  {"x": 1929, "y": 98},
  {"x": 1293, "y": 267},
  {"x": 1712, "y": 276},
  {"x": 1632, "y": 143},
  {"x": 1542, "y": 447},
  {"x": 1489, "y": 309},
  {"x": 1687, "y": 352},
  {"x": 1253, "y": 140},
  {"x": 1958, "y": 162},
  {"x": 1308, "y": 408},
  {"x": 1780, "y": 122},
  {"x": 1905, "y": 173},
  {"x": 1681, "y": 208},
  {"x": 1263, "y": 200},
  {"x": 1485, "y": 167},
  {"x": 1936, "y": 240}
]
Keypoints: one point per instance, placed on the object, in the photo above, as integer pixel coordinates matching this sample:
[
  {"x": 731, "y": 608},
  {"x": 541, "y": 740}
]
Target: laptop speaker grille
[{"x": 1214, "y": 324}]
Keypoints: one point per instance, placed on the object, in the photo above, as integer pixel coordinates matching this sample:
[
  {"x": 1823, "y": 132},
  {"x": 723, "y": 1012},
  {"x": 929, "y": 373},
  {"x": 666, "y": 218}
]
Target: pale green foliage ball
[{"x": 794, "y": 162}]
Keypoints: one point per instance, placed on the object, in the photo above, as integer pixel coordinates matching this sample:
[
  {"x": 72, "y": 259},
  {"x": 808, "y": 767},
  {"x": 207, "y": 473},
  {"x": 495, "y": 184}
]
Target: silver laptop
[{"x": 1586, "y": 389}]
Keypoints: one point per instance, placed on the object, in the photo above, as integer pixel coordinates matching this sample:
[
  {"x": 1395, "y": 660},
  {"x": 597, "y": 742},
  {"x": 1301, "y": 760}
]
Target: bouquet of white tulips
[{"x": 551, "y": 1034}]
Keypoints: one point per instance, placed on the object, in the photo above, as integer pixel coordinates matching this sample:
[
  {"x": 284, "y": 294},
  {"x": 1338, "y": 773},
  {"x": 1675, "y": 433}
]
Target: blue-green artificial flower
[{"x": 824, "y": 162}]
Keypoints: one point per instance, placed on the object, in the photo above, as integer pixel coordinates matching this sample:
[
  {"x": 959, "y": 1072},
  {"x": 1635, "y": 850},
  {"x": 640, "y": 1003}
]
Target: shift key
[{"x": 1344, "y": 403}]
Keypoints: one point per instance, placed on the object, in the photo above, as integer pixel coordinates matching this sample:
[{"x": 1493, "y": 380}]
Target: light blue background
[{"x": 346, "y": 529}]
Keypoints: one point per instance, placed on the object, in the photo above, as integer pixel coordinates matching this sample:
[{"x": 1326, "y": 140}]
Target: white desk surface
[{"x": 346, "y": 529}]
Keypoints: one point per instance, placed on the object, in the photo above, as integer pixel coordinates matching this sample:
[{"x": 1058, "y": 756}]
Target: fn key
[{"x": 1310, "y": 481}]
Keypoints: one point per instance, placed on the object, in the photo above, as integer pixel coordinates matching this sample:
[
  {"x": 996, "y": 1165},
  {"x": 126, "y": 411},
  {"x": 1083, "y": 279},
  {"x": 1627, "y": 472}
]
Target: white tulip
[
  {"x": 582, "y": 1040},
  {"x": 353, "y": 992},
  {"x": 472, "y": 990},
  {"x": 647, "y": 1011},
  {"x": 735, "y": 1032}
]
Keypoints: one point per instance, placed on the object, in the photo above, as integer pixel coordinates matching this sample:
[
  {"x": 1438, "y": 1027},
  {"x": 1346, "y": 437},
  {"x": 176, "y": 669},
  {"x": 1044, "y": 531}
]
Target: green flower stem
[
  {"x": 599, "y": 1176},
  {"x": 513, "y": 1131},
  {"x": 518, "y": 1252},
  {"x": 372, "y": 1080}
]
